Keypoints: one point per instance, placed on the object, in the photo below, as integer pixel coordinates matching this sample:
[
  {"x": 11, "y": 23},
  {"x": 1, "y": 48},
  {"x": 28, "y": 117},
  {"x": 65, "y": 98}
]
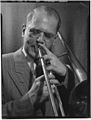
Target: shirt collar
[
  {"x": 24, "y": 52},
  {"x": 29, "y": 62}
]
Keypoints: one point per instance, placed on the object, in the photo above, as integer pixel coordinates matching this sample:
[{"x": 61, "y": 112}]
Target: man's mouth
[
  {"x": 33, "y": 49},
  {"x": 32, "y": 46}
]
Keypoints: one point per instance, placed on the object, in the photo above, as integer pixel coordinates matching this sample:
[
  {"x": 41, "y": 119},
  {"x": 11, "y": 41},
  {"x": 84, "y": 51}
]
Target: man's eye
[
  {"x": 34, "y": 31},
  {"x": 48, "y": 35}
]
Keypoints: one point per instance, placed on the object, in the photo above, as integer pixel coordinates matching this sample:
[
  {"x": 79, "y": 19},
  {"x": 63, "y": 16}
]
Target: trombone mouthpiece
[{"x": 39, "y": 42}]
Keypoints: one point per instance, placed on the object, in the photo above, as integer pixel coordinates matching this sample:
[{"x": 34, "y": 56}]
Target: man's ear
[{"x": 23, "y": 29}]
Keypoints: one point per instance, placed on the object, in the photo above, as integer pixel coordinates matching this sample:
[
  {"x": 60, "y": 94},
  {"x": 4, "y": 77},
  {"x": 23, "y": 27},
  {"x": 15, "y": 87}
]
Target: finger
[
  {"x": 44, "y": 87},
  {"x": 39, "y": 78},
  {"x": 50, "y": 68},
  {"x": 35, "y": 87},
  {"x": 51, "y": 76},
  {"x": 46, "y": 49},
  {"x": 37, "y": 83},
  {"x": 45, "y": 91},
  {"x": 55, "y": 82},
  {"x": 53, "y": 88},
  {"x": 46, "y": 57}
]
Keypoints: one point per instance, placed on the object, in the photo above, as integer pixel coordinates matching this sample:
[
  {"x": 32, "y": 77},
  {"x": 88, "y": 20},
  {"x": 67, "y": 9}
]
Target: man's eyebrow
[
  {"x": 37, "y": 30},
  {"x": 30, "y": 29}
]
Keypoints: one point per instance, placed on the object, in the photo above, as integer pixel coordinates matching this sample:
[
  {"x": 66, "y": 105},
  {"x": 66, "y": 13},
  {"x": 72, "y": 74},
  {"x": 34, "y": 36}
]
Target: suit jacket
[{"x": 16, "y": 81}]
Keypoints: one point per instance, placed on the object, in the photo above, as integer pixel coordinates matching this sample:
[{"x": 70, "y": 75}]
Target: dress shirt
[{"x": 31, "y": 64}]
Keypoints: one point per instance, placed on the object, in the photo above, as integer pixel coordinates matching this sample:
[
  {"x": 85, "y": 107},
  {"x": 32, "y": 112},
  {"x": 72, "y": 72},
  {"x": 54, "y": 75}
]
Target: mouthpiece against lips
[
  {"x": 40, "y": 40},
  {"x": 37, "y": 41}
]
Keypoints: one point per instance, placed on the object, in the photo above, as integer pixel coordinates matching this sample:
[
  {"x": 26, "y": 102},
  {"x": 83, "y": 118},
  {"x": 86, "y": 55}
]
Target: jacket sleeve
[
  {"x": 13, "y": 108},
  {"x": 69, "y": 79},
  {"x": 18, "y": 108}
]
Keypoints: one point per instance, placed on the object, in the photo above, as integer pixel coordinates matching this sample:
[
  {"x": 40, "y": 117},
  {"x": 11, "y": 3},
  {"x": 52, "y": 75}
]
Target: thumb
[
  {"x": 50, "y": 68},
  {"x": 39, "y": 78}
]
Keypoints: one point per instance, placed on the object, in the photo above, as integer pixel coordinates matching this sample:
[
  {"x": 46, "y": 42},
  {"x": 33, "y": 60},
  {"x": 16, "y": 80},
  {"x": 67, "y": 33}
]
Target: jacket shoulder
[
  {"x": 6, "y": 57},
  {"x": 6, "y": 60}
]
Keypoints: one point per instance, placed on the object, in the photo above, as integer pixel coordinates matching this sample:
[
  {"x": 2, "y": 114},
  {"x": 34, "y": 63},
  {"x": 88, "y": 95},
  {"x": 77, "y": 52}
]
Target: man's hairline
[{"x": 35, "y": 9}]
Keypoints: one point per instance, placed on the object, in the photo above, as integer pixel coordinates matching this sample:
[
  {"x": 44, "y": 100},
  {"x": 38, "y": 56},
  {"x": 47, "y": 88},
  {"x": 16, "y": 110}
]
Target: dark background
[{"x": 74, "y": 27}]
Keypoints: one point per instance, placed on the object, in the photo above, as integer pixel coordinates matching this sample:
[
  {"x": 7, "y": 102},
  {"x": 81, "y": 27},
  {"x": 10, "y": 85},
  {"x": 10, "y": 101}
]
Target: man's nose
[{"x": 41, "y": 38}]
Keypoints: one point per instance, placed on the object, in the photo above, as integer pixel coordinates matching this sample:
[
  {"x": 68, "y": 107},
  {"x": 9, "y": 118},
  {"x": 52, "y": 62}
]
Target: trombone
[
  {"x": 77, "y": 67},
  {"x": 79, "y": 94},
  {"x": 50, "y": 90},
  {"x": 78, "y": 70}
]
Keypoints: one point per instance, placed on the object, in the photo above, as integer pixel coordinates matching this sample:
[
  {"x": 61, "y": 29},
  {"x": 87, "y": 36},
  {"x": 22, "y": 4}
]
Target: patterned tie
[{"x": 32, "y": 73}]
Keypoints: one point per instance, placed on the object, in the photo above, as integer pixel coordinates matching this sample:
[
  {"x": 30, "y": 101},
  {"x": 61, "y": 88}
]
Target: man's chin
[{"x": 32, "y": 55}]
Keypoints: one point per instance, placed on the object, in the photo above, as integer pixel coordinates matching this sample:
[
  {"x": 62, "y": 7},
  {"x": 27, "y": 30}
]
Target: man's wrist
[
  {"x": 61, "y": 77},
  {"x": 32, "y": 98}
]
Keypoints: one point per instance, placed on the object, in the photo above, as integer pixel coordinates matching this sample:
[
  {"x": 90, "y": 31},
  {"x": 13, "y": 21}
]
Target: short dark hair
[{"x": 50, "y": 11}]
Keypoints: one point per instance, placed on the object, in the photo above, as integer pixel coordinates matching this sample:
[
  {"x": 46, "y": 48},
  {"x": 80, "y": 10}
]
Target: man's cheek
[
  {"x": 48, "y": 45},
  {"x": 30, "y": 41}
]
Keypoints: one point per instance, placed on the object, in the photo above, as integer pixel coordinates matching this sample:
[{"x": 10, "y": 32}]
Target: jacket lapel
[{"x": 20, "y": 71}]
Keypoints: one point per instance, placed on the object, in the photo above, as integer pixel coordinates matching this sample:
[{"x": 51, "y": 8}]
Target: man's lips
[{"x": 32, "y": 46}]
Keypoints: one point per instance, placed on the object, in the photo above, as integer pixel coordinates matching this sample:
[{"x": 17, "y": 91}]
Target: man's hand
[
  {"x": 39, "y": 92},
  {"x": 55, "y": 64},
  {"x": 36, "y": 91}
]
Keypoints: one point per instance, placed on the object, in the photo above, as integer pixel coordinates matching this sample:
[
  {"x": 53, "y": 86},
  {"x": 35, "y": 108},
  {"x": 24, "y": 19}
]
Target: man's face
[{"x": 42, "y": 28}]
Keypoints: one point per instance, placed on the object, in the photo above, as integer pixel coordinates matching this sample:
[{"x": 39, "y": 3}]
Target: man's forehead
[{"x": 41, "y": 15}]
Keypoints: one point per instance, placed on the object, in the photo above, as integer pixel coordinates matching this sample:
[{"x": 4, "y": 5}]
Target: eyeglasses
[{"x": 34, "y": 32}]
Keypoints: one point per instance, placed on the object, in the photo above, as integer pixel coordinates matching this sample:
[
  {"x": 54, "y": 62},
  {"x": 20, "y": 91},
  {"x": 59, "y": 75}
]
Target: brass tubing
[
  {"x": 48, "y": 84},
  {"x": 77, "y": 67}
]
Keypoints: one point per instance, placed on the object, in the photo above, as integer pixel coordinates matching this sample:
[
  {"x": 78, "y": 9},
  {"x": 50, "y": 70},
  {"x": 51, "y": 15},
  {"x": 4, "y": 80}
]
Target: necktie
[{"x": 32, "y": 73}]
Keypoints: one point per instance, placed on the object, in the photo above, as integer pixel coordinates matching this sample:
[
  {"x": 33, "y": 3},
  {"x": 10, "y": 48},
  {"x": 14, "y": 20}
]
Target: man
[{"x": 24, "y": 94}]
